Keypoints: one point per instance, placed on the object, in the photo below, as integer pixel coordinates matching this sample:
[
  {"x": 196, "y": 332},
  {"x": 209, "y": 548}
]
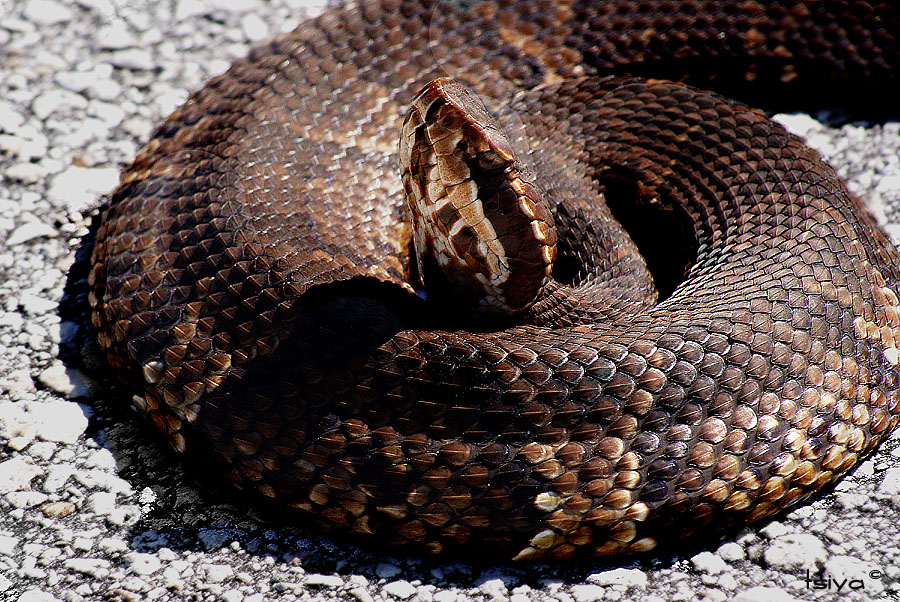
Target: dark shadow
[{"x": 664, "y": 234}]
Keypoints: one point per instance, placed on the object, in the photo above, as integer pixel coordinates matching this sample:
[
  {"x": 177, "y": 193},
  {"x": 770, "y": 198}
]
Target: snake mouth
[{"x": 661, "y": 229}]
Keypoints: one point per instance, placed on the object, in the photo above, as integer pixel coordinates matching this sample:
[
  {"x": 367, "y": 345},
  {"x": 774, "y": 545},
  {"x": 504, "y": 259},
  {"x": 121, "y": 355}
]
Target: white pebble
[
  {"x": 57, "y": 477},
  {"x": 494, "y": 588},
  {"x": 849, "y": 500},
  {"x": 77, "y": 188},
  {"x": 142, "y": 564},
  {"x": 712, "y": 595},
  {"x": 172, "y": 578},
  {"x": 798, "y": 550},
  {"x": 113, "y": 545},
  {"x": 185, "y": 9},
  {"x": 36, "y": 595},
  {"x": 124, "y": 515},
  {"x": 95, "y": 567},
  {"x": 20, "y": 25},
  {"x": 103, "y": 458},
  {"x": 26, "y": 499},
  {"x": 731, "y": 552},
  {"x": 138, "y": 127},
  {"x": 361, "y": 594},
  {"x": 797, "y": 123},
  {"x": 218, "y": 573},
  {"x": 85, "y": 544},
  {"x": 109, "y": 113},
  {"x": 254, "y": 27},
  {"x": 105, "y": 89},
  {"x": 66, "y": 381},
  {"x": 774, "y": 529},
  {"x": 74, "y": 81},
  {"x": 89, "y": 130},
  {"x": 16, "y": 424},
  {"x": 324, "y": 580},
  {"x": 16, "y": 475},
  {"x": 707, "y": 562},
  {"x": 17, "y": 383},
  {"x": 168, "y": 98},
  {"x": 624, "y": 577},
  {"x": 35, "y": 305},
  {"x": 134, "y": 59},
  {"x": 890, "y": 484},
  {"x": 28, "y": 173},
  {"x": 232, "y": 595},
  {"x": 115, "y": 36},
  {"x": 56, "y": 99},
  {"x": 8, "y": 545},
  {"x": 101, "y": 502},
  {"x": 888, "y": 184},
  {"x": 866, "y": 469},
  {"x": 587, "y": 592},
  {"x": 27, "y": 144},
  {"x": 10, "y": 118},
  {"x": 46, "y": 12},
  {"x": 60, "y": 421},
  {"x": 399, "y": 589}
]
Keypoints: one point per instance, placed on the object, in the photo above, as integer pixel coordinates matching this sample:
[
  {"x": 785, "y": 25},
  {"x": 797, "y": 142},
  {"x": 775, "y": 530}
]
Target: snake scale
[{"x": 253, "y": 278}]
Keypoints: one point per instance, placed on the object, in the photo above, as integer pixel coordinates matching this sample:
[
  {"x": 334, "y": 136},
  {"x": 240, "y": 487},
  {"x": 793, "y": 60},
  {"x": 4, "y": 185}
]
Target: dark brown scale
[{"x": 248, "y": 280}]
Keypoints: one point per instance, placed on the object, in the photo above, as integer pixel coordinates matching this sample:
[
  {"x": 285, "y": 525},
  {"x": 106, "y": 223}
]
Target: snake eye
[{"x": 491, "y": 161}]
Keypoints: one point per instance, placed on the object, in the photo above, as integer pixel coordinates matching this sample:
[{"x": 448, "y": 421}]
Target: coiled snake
[{"x": 254, "y": 278}]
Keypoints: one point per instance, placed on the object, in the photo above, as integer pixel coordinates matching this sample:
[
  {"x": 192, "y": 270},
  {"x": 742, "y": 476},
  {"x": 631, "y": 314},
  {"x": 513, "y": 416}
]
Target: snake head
[{"x": 476, "y": 214}]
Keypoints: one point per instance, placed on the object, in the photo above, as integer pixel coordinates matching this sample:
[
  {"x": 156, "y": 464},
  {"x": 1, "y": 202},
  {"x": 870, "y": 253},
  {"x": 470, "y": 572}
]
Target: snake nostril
[{"x": 662, "y": 230}]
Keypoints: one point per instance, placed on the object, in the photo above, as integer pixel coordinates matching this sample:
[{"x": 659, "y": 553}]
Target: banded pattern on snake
[{"x": 253, "y": 278}]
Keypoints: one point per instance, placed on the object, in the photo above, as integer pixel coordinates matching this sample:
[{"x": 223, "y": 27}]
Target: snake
[{"x": 507, "y": 278}]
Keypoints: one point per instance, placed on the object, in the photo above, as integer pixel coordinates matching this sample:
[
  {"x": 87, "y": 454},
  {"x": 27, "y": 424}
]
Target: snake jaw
[{"x": 475, "y": 214}]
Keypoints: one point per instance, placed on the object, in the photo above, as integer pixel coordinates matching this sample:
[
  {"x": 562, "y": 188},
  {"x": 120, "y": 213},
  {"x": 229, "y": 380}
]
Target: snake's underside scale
[{"x": 254, "y": 281}]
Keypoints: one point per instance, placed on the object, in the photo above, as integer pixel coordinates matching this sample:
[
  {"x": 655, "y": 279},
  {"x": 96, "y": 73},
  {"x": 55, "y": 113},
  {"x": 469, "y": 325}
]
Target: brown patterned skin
[
  {"x": 250, "y": 279},
  {"x": 478, "y": 219}
]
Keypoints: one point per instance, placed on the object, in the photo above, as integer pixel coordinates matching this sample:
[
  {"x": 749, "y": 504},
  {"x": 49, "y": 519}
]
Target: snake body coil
[{"x": 251, "y": 278}]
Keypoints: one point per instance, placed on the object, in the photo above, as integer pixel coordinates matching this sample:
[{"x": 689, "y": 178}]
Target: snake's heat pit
[{"x": 257, "y": 279}]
